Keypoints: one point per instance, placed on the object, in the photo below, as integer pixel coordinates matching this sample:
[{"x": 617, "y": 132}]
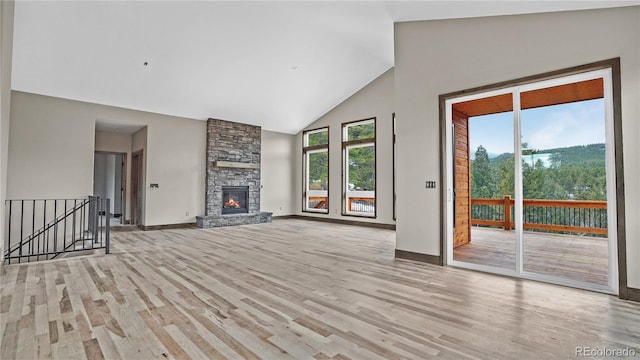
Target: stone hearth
[{"x": 233, "y": 159}]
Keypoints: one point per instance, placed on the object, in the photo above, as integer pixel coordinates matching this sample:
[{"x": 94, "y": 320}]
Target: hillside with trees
[{"x": 572, "y": 173}]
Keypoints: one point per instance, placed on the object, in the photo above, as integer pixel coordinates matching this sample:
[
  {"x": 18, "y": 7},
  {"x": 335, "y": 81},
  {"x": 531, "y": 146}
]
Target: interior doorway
[
  {"x": 109, "y": 182},
  {"x": 137, "y": 187},
  {"x": 531, "y": 180}
]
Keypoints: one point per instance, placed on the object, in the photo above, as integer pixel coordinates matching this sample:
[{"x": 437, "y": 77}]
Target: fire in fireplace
[{"x": 235, "y": 199}]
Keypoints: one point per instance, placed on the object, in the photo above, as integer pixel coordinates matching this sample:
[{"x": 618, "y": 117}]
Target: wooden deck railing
[
  {"x": 318, "y": 202},
  {"x": 360, "y": 204},
  {"x": 575, "y": 216}
]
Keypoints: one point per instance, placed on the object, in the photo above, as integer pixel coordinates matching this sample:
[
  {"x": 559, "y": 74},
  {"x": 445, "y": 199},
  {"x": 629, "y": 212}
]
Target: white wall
[
  {"x": 276, "y": 175},
  {"x": 439, "y": 57},
  {"x": 100, "y": 175},
  {"x": 51, "y": 150},
  {"x": 175, "y": 159},
  {"x": 52, "y": 155},
  {"x": 6, "y": 51},
  {"x": 113, "y": 142},
  {"x": 374, "y": 100}
]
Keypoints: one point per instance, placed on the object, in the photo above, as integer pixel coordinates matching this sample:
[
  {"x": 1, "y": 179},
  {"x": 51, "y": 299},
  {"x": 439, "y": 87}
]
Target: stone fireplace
[{"x": 233, "y": 175}]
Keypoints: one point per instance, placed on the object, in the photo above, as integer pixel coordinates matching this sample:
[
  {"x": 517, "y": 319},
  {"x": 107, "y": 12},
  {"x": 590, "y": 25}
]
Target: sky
[{"x": 578, "y": 123}]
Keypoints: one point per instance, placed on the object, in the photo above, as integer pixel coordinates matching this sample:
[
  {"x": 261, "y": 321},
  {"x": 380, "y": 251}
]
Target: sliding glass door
[{"x": 531, "y": 181}]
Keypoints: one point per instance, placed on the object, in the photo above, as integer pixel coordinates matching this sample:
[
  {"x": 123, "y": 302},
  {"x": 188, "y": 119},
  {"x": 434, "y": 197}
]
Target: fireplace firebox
[{"x": 235, "y": 199}]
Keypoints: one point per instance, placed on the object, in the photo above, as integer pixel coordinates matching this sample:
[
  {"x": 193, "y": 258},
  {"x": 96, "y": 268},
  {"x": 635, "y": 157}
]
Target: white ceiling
[{"x": 226, "y": 60}]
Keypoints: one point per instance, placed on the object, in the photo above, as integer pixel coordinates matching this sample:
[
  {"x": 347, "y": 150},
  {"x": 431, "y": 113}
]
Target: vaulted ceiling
[{"x": 280, "y": 65}]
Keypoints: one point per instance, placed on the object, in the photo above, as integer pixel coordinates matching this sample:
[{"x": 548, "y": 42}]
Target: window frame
[
  {"x": 346, "y": 144},
  {"x": 306, "y": 151}
]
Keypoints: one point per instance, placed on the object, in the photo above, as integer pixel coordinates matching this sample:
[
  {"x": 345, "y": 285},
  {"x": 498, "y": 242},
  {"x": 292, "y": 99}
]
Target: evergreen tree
[
  {"x": 361, "y": 168},
  {"x": 362, "y": 159},
  {"x": 482, "y": 183},
  {"x": 319, "y": 170}
]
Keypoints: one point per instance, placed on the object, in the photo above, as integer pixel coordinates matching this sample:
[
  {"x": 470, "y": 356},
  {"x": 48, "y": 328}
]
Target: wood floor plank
[
  {"x": 53, "y": 332},
  {"x": 92, "y": 349},
  {"x": 107, "y": 346},
  {"x": 10, "y": 340},
  {"x": 168, "y": 342},
  {"x": 43, "y": 347},
  {"x": 292, "y": 289},
  {"x": 192, "y": 351}
]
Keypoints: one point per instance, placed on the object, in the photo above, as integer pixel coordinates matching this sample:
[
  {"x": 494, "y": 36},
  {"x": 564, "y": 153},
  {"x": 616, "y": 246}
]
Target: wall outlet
[
  {"x": 430, "y": 184},
  {"x": 335, "y": 211},
  {"x": 186, "y": 213}
]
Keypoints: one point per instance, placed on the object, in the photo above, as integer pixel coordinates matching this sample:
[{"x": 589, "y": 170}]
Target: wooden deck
[
  {"x": 292, "y": 289},
  {"x": 575, "y": 257}
]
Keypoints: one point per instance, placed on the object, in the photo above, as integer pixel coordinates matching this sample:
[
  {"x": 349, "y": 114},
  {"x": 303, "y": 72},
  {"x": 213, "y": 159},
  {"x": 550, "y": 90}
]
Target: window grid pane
[
  {"x": 361, "y": 131},
  {"x": 317, "y": 180},
  {"x": 360, "y": 178},
  {"x": 317, "y": 138}
]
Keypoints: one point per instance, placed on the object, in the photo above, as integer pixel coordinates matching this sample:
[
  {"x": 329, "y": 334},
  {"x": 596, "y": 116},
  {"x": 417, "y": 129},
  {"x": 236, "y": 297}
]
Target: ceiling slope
[{"x": 280, "y": 65}]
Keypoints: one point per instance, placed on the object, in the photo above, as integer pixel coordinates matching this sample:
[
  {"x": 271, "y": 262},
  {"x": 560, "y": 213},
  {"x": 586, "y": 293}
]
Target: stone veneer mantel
[
  {"x": 233, "y": 159},
  {"x": 235, "y": 164}
]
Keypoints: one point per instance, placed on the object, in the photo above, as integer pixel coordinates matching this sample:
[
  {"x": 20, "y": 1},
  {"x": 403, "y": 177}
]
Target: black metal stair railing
[{"x": 46, "y": 228}]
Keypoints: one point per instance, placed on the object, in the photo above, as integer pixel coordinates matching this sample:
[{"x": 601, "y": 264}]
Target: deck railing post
[{"x": 507, "y": 212}]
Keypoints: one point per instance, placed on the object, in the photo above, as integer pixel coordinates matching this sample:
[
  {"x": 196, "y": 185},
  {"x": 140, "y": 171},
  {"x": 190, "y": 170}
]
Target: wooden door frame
[
  {"x": 614, "y": 65},
  {"x": 458, "y": 193}
]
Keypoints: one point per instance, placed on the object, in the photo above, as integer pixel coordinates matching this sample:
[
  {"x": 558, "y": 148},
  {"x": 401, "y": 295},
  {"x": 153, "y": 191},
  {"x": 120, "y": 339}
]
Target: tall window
[
  {"x": 359, "y": 156},
  {"x": 316, "y": 170}
]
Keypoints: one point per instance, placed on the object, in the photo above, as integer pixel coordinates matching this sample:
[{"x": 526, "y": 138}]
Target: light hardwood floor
[{"x": 292, "y": 289}]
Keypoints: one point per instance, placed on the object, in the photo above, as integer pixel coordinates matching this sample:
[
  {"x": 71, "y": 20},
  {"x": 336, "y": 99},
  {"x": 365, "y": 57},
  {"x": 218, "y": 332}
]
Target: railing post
[
  {"x": 8, "y": 256},
  {"x": 106, "y": 228},
  {"x": 507, "y": 212},
  {"x": 55, "y": 226},
  {"x": 94, "y": 213},
  {"x": 21, "y": 230}
]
